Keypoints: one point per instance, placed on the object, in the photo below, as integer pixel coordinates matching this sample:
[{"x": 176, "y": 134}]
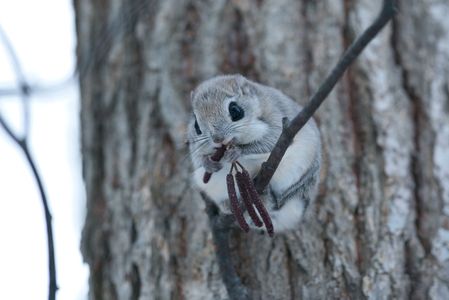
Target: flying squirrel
[{"x": 246, "y": 117}]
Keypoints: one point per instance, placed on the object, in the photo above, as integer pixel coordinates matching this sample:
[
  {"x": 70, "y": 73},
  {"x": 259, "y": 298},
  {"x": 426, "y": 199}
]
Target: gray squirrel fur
[{"x": 295, "y": 182}]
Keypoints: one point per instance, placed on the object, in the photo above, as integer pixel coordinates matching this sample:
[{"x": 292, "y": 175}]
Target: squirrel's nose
[{"x": 217, "y": 138}]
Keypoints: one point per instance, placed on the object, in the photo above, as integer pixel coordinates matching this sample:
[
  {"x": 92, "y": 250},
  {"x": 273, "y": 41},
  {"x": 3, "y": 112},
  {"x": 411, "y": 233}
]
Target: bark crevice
[
  {"x": 238, "y": 55},
  {"x": 135, "y": 282}
]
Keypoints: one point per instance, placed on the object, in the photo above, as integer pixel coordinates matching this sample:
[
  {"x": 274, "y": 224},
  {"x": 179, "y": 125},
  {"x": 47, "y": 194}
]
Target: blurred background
[{"x": 42, "y": 34}]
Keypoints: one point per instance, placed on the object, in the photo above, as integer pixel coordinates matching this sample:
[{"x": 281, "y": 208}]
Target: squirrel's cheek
[{"x": 253, "y": 132}]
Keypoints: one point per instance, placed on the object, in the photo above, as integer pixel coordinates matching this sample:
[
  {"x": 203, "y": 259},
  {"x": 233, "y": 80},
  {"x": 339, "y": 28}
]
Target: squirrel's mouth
[{"x": 227, "y": 142}]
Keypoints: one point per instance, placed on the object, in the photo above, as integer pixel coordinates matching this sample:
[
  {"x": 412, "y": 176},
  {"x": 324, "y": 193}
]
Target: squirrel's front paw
[
  {"x": 232, "y": 154},
  {"x": 211, "y": 166},
  {"x": 225, "y": 207}
]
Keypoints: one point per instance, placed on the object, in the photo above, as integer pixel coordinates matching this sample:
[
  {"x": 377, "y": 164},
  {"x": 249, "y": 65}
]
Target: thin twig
[
  {"x": 38, "y": 88},
  {"x": 23, "y": 145},
  {"x": 53, "y": 286},
  {"x": 220, "y": 227},
  {"x": 222, "y": 224},
  {"x": 8, "y": 130},
  {"x": 22, "y": 142},
  {"x": 268, "y": 168},
  {"x": 20, "y": 77}
]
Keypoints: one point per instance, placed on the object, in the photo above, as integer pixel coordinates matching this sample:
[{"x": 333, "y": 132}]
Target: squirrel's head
[{"x": 227, "y": 109}]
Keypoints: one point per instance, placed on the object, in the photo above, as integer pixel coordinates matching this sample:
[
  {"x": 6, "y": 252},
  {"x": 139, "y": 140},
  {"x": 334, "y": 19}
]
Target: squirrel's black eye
[
  {"x": 197, "y": 128},
  {"x": 236, "y": 111}
]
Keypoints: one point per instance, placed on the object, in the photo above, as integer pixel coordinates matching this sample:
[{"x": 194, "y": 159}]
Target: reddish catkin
[
  {"x": 235, "y": 207},
  {"x": 247, "y": 199},
  {"x": 258, "y": 203},
  {"x": 219, "y": 152}
]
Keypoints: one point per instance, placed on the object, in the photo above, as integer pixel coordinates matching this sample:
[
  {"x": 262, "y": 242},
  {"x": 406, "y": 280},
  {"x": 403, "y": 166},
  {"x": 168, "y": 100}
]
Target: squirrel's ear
[
  {"x": 244, "y": 85},
  {"x": 192, "y": 94}
]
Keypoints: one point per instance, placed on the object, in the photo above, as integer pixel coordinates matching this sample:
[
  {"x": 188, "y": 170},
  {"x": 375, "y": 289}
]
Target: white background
[{"x": 43, "y": 34}]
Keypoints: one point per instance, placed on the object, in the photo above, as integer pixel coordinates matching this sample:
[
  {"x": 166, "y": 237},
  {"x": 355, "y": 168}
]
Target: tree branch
[
  {"x": 20, "y": 77},
  {"x": 222, "y": 224},
  {"x": 22, "y": 142},
  {"x": 23, "y": 145},
  {"x": 268, "y": 168},
  {"x": 37, "y": 89}
]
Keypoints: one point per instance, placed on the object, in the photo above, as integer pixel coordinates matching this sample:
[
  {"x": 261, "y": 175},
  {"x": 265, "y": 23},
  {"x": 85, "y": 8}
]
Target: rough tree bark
[{"x": 381, "y": 227}]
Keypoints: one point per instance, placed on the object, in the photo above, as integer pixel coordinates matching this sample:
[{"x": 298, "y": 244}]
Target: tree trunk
[{"x": 381, "y": 227}]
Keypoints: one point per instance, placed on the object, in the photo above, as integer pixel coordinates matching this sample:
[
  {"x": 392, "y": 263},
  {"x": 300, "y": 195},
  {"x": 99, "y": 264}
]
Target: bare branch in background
[
  {"x": 222, "y": 224},
  {"x": 37, "y": 89},
  {"x": 21, "y": 81},
  {"x": 22, "y": 142}
]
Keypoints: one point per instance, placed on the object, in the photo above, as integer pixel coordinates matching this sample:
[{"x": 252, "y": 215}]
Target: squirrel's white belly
[
  {"x": 216, "y": 187},
  {"x": 294, "y": 163}
]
